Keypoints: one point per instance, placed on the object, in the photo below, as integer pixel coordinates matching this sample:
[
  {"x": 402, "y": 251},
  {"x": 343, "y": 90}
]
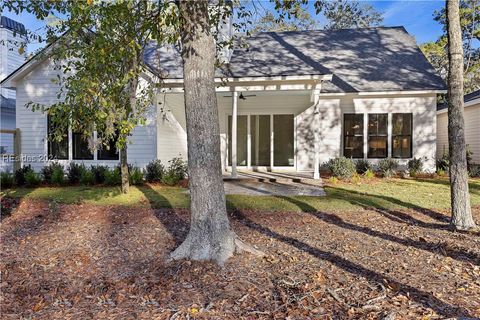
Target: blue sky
[{"x": 415, "y": 16}]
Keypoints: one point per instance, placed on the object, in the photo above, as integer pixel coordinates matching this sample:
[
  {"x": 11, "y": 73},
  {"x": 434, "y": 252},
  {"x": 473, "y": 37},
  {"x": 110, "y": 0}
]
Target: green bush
[
  {"x": 6, "y": 180},
  {"x": 136, "y": 176},
  {"x": 369, "y": 174},
  {"x": 58, "y": 176},
  {"x": 474, "y": 171},
  {"x": 388, "y": 167},
  {"x": 87, "y": 177},
  {"x": 113, "y": 177},
  {"x": 74, "y": 172},
  {"x": 341, "y": 167},
  {"x": 362, "y": 166},
  {"x": 415, "y": 166},
  {"x": 32, "y": 179},
  {"x": 20, "y": 175},
  {"x": 444, "y": 162},
  {"x": 154, "y": 171},
  {"x": 48, "y": 170},
  {"x": 99, "y": 173}
]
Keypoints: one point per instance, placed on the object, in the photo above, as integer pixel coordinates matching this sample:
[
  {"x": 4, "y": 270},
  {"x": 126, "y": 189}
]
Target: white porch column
[
  {"x": 234, "y": 133},
  {"x": 316, "y": 132}
]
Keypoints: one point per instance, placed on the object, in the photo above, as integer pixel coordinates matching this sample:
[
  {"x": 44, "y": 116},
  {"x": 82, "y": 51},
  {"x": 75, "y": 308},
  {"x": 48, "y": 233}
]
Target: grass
[{"x": 378, "y": 193}]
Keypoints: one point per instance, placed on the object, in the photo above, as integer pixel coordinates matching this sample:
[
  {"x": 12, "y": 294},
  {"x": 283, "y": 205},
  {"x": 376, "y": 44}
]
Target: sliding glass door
[{"x": 259, "y": 135}]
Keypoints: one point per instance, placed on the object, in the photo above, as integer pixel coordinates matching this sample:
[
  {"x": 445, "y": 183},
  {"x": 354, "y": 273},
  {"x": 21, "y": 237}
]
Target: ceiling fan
[{"x": 242, "y": 96}]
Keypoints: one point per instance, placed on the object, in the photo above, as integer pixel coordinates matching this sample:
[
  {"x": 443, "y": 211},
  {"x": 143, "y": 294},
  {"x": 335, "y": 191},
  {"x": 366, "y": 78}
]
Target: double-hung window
[
  {"x": 108, "y": 151},
  {"x": 402, "y": 135},
  {"x": 81, "y": 149},
  {"x": 353, "y": 135},
  {"x": 377, "y": 135}
]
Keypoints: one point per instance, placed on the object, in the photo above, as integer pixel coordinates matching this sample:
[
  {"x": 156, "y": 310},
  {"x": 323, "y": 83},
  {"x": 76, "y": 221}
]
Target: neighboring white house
[
  {"x": 12, "y": 36},
  {"x": 472, "y": 126},
  {"x": 296, "y": 99}
]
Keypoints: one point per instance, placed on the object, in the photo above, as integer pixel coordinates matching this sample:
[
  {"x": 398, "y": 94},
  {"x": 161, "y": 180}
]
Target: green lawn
[{"x": 388, "y": 194}]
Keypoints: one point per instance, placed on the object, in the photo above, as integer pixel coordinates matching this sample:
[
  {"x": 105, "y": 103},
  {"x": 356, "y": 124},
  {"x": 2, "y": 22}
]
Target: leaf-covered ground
[{"x": 86, "y": 261}]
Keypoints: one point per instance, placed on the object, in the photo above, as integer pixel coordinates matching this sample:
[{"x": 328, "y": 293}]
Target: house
[
  {"x": 472, "y": 126},
  {"x": 12, "y": 35},
  {"x": 296, "y": 100}
]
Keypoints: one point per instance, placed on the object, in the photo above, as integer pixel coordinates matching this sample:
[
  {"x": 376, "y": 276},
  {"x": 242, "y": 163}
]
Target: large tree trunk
[
  {"x": 210, "y": 236},
  {"x": 124, "y": 170},
  {"x": 461, "y": 212}
]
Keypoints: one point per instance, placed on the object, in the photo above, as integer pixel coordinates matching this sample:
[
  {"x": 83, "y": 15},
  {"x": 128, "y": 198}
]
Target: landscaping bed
[{"x": 101, "y": 261}]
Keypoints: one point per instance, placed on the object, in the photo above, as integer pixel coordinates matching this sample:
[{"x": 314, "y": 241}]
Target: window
[
  {"x": 81, "y": 151},
  {"x": 402, "y": 135},
  {"x": 353, "y": 135},
  {"x": 109, "y": 152},
  {"x": 56, "y": 149},
  {"x": 377, "y": 135}
]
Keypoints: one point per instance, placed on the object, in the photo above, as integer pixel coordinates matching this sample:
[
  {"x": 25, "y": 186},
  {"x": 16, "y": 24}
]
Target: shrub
[
  {"x": 20, "y": 175},
  {"x": 444, "y": 162},
  {"x": 341, "y": 167},
  {"x": 388, "y": 167},
  {"x": 113, "y": 177},
  {"x": 474, "y": 171},
  {"x": 87, "y": 177},
  {"x": 469, "y": 155},
  {"x": 440, "y": 172},
  {"x": 58, "y": 176},
  {"x": 74, "y": 172},
  {"x": 136, "y": 176},
  {"x": 369, "y": 174},
  {"x": 32, "y": 179},
  {"x": 154, "y": 171},
  {"x": 6, "y": 180},
  {"x": 415, "y": 166},
  {"x": 48, "y": 170},
  {"x": 362, "y": 166},
  {"x": 99, "y": 173},
  {"x": 7, "y": 204}
]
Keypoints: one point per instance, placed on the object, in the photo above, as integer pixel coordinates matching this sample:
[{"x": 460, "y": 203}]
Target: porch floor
[{"x": 273, "y": 184}]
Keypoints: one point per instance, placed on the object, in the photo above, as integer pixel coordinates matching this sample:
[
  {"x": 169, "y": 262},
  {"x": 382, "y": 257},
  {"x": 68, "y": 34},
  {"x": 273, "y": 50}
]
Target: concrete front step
[{"x": 274, "y": 177}]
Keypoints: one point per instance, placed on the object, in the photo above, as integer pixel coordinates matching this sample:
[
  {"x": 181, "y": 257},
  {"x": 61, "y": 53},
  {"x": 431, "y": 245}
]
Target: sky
[{"x": 416, "y": 16}]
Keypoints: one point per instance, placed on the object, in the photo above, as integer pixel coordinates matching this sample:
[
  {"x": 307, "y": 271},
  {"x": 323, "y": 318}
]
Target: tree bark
[
  {"x": 124, "y": 170},
  {"x": 460, "y": 198}
]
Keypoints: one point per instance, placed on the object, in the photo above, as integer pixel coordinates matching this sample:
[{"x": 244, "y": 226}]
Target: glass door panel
[
  {"x": 241, "y": 140},
  {"x": 260, "y": 145},
  {"x": 283, "y": 140}
]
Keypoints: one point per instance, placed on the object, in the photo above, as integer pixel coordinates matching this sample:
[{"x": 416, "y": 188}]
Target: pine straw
[{"x": 86, "y": 261}]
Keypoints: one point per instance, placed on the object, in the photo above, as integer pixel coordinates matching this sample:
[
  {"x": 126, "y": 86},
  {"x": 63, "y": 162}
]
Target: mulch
[{"x": 103, "y": 262}]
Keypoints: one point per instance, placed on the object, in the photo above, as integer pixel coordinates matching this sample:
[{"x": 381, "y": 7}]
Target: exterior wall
[
  {"x": 38, "y": 87},
  {"x": 10, "y": 58},
  {"x": 472, "y": 131}
]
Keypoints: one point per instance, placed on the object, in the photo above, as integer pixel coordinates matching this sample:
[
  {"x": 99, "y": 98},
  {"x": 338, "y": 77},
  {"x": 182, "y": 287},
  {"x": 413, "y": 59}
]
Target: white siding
[
  {"x": 472, "y": 131},
  {"x": 38, "y": 87},
  {"x": 10, "y": 58}
]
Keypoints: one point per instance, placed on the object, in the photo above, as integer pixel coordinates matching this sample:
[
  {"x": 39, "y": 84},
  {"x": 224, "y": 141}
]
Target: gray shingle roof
[
  {"x": 7, "y": 103},
  {"x": 12, "y": 25},
  {"x": 361, "y": 60},
  {"x": 472, "y": 96}
]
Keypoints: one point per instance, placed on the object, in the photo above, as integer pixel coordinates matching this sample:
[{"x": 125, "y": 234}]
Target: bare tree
[{"x": 461, "y": 211}]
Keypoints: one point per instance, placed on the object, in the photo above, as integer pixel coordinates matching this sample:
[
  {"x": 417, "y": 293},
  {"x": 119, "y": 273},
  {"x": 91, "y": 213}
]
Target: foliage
[
  {"x": 99, "y": 173},
  {"x": 388, "y": 167},
  {"x": 436, "y": 52},
  {"x": 6, "y": 180},
  {"x": 87, "y": 177},
  {"x": 440, "y": 172},
  {"x": 58, "y": 176},
  {"x": 341, "y": 167},
  {"x": 468, "y": 155},
  {"x": 474, "y": 171},
  {"x": 415, "y": 166},
  {"x": 113, "y": 177},
  {"x": 154, "y": 171},
  {"x": 345, "y": 14},
  {"x": 444, "y": 162},
  {"x": 177, "y": 171},
  {"x": 136, "y": 176},
  {"x": 74, "y": 172},
  {"x": 47, "y": 171},
  {"x": 369, "y": 174},
  {"x": 7, "y": 204},
  {"x": 32, "y": 179},
  {"x": 20, "y": 174},
  {"x": 302, "y": 20},
  {"x": 362, "y": 165}
]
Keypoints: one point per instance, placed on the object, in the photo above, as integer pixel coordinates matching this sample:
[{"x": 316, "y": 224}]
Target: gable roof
[
  {"x": 468, "y": 100},
  {"x": 11, "y": 24},
  {"x": 361, "y": 60}
]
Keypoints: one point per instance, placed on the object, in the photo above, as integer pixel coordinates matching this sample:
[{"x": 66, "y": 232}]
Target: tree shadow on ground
[
  {"x": 422, "y": 297},
  {"x": 374, "y": 200},
  {"x": 473, "y": 184},
  {"x": 408, "y": 242},
  {"x": 175, "y": 225}
]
